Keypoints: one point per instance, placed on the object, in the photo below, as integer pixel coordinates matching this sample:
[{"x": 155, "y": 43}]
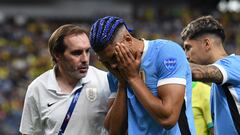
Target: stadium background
[{"x": 25, "y": 26}]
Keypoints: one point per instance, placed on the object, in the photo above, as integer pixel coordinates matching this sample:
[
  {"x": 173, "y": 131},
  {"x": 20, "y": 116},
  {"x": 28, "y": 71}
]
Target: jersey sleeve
[
  {"x": 173, "y": 65},
  {"x": 113, "y": 84},
  {"x": 229, "y": 67},
  {"x": 30, "y": 121}
]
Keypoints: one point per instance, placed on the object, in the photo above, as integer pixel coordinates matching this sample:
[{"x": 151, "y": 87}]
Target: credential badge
[{"x": 91, "y": 94}]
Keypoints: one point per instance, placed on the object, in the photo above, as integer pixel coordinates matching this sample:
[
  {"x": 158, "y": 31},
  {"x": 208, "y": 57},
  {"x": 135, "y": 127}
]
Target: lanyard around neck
[{"x": 70, "y": 110}]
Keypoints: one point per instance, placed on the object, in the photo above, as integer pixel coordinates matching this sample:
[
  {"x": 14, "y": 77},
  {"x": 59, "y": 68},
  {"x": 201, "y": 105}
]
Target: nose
[{"x": 85, "y": 57}]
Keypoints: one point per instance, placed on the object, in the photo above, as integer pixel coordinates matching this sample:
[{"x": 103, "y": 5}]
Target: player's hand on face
[
  {"x": 128, "y": 62},
  {"x": 115, "y": 72}
]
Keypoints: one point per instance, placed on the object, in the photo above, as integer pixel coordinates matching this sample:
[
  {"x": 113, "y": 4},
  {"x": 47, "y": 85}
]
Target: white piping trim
[
  {"x": 223, "y": 71},
  {"x": 171, "y": 81}
]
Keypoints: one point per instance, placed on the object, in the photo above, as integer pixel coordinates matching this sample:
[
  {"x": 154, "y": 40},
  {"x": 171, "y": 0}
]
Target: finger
[
  {"x": 128, "y": 52},
  {"x": 119, "y": 55},
  {"x": 123, "y": 51},
  {"x": 115, "y": 72},
  {"x": 138, "y": 55}
]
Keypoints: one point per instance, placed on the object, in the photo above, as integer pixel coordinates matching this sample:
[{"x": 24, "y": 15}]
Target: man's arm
[
  {"x": 211, "y": 131},
  {"x": 166, "y": 107},
  {"x": 206, "y": 73},
  {"x": 116, "y": 119}
]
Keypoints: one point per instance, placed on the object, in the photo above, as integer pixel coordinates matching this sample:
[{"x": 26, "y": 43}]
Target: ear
[
  {"x": 207, "y": 44},
  {"x": 57, "y": 56}
]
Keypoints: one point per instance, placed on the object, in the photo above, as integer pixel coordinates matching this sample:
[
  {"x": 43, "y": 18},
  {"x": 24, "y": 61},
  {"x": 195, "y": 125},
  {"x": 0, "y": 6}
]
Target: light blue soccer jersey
[
  {"x": 163, "y": 62},
  {"x": 223, "y": 122}
]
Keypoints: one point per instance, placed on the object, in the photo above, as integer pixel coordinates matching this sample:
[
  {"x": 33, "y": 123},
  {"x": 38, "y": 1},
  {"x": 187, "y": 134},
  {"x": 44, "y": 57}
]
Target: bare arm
[
  {"x": 211, "y": 131},
  {"x": 116, "y": 119},
  {"x": 164, "y": 108},
  {"x": 206, "y": 73}
]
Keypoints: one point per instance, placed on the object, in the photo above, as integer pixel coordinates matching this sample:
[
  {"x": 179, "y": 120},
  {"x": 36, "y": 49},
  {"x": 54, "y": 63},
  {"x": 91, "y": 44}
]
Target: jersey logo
[
  {"x": 170, "y": 63},
  {"x": 50, "y": 104},
  {"x": 91, "y": 94}
]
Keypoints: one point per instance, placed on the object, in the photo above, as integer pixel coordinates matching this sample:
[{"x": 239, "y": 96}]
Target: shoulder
[
  {"x": 97, "y": 76},
  {"x": 99, "y": 79},
  {"x": 39, "y": 83},
  {"x": 40, "y": 80},
  {"x": 165, "y": 43},
  {"x": 96, "y": 71},
  {"x": 166, "y": 48},
  {"x": 229, "y": 60}
]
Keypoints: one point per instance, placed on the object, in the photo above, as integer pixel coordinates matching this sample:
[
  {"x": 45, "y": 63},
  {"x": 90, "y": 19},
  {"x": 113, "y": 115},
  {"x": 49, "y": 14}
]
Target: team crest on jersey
[
  {"x": 91, "y": 94},
  {"x": 170, "y": 63}
]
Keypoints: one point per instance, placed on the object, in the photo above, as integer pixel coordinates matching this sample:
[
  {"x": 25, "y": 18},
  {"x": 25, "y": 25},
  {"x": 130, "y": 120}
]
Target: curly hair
[{"x": 203, "y": 25}]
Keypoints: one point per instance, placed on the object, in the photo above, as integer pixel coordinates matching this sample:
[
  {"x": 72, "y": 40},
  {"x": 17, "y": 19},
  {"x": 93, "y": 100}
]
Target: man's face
[
  {"x": 75, "y": 59},
  {"x": 196, "y": 51}
]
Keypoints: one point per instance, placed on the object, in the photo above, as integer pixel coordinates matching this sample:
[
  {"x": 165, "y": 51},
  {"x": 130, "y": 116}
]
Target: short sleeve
[
  {"x": 173, "y": 65},
  {"x": 30, "y": 121},
  {"x": 229, "y": 67}
]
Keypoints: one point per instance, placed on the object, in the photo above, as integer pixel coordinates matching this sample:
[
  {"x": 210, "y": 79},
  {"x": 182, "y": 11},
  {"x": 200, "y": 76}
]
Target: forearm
[
  {"x": 116, "y": 119},
  {"x": 206, "y": 73},
  {"x": 161, "y": 111},
  {"x": 211, "y": 131}
]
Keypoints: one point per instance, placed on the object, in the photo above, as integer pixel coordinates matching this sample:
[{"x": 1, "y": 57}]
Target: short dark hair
[
  {"x": 56, "y": 41},
  {"x": 203, "y": 25},
  {"x": 104, "y": 30}
]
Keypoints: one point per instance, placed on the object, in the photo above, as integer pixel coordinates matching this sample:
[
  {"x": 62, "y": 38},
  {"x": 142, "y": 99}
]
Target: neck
[
  {"x": 219, "y": 54},
  {"x": 65, "y": 82}
]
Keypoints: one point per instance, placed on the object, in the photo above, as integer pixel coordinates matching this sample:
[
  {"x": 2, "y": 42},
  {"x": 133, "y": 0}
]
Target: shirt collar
[
  {"x": 145, "y": 48},
  {"x": 53, "y": 84}
]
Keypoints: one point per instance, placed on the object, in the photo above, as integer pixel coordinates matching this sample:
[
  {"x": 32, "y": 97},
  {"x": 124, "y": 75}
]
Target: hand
[
  {"x": 128, "y": 63},
  {"x": 115, "y": 72}
]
